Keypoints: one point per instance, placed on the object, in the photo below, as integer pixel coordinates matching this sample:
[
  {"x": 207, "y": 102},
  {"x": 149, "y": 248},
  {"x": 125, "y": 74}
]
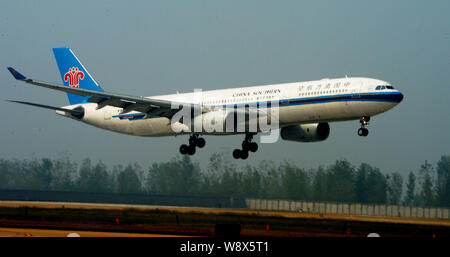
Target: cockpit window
[{"x": 384, "y": 87}]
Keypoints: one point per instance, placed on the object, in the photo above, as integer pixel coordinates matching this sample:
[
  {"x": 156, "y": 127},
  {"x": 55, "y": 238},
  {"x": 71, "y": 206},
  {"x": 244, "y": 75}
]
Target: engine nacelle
[{"x": 306, "y": 132}]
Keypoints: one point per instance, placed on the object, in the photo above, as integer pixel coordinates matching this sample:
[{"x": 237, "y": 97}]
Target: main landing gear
[
  {"x": 247, "y": 145},
  {"x": 363, "y": 132},
  {"x": 194, "y": 141}
]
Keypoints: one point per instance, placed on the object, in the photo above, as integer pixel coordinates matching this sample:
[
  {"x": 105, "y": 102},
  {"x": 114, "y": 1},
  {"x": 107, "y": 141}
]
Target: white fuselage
[{"x": 325, "y": 100}]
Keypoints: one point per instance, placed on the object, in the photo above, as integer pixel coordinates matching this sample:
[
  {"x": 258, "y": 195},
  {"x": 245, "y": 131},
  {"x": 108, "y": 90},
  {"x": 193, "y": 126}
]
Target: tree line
[{"x": 341, "y": 181}]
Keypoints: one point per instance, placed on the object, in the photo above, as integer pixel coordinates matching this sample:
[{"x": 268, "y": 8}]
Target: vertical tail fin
[{"x": 74, "y": 74}]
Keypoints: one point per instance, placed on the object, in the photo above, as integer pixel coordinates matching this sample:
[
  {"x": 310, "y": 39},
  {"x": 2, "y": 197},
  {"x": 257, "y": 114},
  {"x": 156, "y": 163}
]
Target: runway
[{"x": 58, "y": 219}]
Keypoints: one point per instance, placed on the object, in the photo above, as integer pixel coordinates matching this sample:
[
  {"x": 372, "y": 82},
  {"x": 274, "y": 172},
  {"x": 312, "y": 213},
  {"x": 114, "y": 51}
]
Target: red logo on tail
[{"x": 73, "y": 76}]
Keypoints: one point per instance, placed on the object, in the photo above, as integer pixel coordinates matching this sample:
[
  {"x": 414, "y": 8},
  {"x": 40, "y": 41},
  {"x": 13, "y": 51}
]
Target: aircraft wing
[{"x": 151, "y": 106}]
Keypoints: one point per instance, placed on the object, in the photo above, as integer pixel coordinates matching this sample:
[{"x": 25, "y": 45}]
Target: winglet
[{"x": 16, "y": 74}]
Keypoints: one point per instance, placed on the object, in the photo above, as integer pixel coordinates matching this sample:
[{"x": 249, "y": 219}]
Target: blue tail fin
[{"x": 74, "y": 74}]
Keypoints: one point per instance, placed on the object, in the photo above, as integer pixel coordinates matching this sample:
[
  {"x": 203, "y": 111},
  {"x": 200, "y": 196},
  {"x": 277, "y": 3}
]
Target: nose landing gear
[
  {"x": 194, "y": 141},
  {"x": 363, "y": 132},
  {"x": 247, "y": 145}
]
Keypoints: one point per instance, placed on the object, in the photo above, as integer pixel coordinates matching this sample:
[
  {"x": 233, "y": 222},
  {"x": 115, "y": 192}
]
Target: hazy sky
[{"x": 159, "y": 47}]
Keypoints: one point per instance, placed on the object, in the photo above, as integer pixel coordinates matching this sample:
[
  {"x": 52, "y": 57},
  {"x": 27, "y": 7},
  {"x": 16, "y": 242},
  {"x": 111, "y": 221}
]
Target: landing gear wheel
[
  {"x": 237, "y": 153},
  {"x": 191, "y": 150},
  {"x": 247, "y": 146},
  {"x": 363, "y": 132},
  {"x": 194, "y": 141},
  {"x": 184, "y": 149},
  {"x": 253, "y": 147},
  {"x": 244, "y": 155},
  {"x": 366, "y": 132},
  {"x": 201, "y": 142},
  {"x": 360, "y": 132}
]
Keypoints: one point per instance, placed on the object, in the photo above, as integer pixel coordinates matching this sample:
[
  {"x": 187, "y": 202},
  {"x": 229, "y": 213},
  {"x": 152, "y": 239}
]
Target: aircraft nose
[{"x": 399, "y": 97}]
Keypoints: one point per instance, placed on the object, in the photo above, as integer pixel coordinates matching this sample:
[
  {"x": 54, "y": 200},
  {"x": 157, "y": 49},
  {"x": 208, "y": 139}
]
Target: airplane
[{"x": 304, "y": 109}]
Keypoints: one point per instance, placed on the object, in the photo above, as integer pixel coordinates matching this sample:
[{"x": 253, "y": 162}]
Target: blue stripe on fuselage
[
  {"x": 375, "y": 97},
  {"x": 393, "y": 97}
]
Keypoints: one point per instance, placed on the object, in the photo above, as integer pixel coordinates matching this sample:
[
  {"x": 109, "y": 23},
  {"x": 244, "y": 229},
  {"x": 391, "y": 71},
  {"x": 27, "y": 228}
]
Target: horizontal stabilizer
[
  {"x": 76, "y": 113},
  {"x": 16, "y": 74}
]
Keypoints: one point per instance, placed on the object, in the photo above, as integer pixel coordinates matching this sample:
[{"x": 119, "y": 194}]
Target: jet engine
[{"x": 306, "y": 132}]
